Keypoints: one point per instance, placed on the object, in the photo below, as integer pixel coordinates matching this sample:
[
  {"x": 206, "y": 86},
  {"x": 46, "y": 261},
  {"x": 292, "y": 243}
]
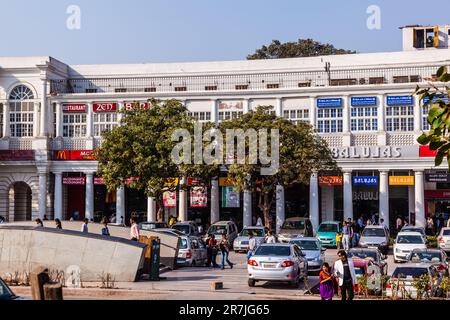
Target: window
[
  {"x": 429, "y": 38},
  {"x": 364, "y": 119},
  {"x": 21, "y": 112},
  {"x": 401, "y": 79},
  {"x": 200, "y": 116},
  {"x": 119, "y": 90},
  {"x": 104, "y": 122},
  {"x": 400, "y": 118},
  {"x": 242, "y": 87},
  {"x": 91, "y": 90},
  {"x": 210, "y": 88},
  {"x": 228, "y": 115},
  {"x": 152, "y": 89},
  {"x": 343, "y": 82},
  {"x": 419, "y": 36},
  {"x": 297, "y": 115},
  {"x": 304, "y": 84},
  {"x": 376, "y": 80},
  {"x": 425, "y": 124},
  {"x": 273, "y": 86},
  {"x": 177, "y": 89},
  {"x": 329, "y": 120},
  {"x": 74, "y": 125}
]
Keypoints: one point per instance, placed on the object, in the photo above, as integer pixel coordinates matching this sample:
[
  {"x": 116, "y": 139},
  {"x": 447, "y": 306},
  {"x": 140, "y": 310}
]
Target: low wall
[{"x": 89, "y": 256}]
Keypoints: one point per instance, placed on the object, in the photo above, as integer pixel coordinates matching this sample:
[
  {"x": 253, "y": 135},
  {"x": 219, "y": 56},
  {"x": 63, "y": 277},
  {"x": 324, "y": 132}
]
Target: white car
[
  {"x": 405, "y": 243},
  {"x": 444, "y": 239}
]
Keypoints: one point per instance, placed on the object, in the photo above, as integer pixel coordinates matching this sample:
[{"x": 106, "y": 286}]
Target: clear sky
[{"x": 136, "y": 31}]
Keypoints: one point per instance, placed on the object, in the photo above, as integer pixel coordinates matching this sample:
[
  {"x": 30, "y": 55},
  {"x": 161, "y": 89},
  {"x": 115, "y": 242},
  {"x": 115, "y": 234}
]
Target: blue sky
[{"x": 136, "y": 31}]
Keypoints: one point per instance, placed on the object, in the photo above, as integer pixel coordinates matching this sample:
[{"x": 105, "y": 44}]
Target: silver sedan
[{"x": 277, "y": 262}]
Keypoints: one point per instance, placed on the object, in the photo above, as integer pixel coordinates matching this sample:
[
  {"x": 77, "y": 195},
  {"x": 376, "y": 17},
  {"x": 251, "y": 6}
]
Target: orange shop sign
[
  {"x": 226, "y": 182},
  {"x": 401, "y": 180},
  {"x": 331, "y": 181}
]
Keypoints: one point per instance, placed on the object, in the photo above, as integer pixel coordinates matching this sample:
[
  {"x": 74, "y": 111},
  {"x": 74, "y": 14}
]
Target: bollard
[
  {"x": 216, "y": 285},
  {"x": 53, "y": 291},
  {"x": 38, "y": 278}
]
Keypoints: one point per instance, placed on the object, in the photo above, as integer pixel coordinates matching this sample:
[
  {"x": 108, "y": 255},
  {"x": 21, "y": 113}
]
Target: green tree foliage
[
  {"x": 301, "y": 48},
  {"x": 301, "y": 153},
  {"x": 436, "y": 97}
]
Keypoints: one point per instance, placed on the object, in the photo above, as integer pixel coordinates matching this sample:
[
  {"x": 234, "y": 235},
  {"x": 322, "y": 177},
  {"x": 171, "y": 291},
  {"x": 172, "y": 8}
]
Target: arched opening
[{"x": 20, "y": 202}]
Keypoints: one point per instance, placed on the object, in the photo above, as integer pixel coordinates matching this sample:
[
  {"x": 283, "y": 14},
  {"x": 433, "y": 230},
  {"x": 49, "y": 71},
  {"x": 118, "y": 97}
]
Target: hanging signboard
[
  {"x": 230, "y": 198},
  {"x": 330, "y": 103},
  {"x": 331, "y": 181},
  {"x": 74, "y": 108},
  {"x": 400, "y": 100},
  {"x": 364, "y": 101},
  {"x": 74, "y": 181},
  {"x": 401, "y": 180},
  {"x": 199, "y": 197},
  {"x": 171, "y": 182},
  {"x": 365, "y": 181},
  {"x": 105, "y": 107},
  {"x": 170, "y": 199}
]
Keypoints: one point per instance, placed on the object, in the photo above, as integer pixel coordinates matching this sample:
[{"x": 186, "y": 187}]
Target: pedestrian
[
  {"x": 448, "y": 223},
  {"x": 212, "y": 244},
  {"x": 134, "y": 231},
  {"x": 208, "y": 251},
  {"x": 399, "y": 224},
  {"x": 429, "y": 230},
  {"x": 382, "y": 222},
  {"x": 251, "y": 245},
  {"x": 58, "y": 224},
  {"x": 105, "y": 229},
  {"x": 39, "y": 223},
  {"x": 441, "y": 220},
  {"x": 172, "y": 221},
  {"x": 346, "y": 236},
  {"x": 344, "y": 271},
  {"x": 2, "y": 219},
  {"x": 45, "y": 217},
  {"x": 339, "y": 240},
  {"x": 200, "y": 229},
  {"x": 326, "y": 282},
  {"x": 113, "y": 218},
  {"x": 356, "y": 233},
  {"x": 84, "y": 226},
  {"x": 270, "y": 238},
  {"x": 259, "y": 222},
  {"x": 224, "y": 248}
]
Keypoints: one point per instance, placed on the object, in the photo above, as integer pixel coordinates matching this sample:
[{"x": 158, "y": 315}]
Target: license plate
[
  {"x": 244, "y": 242},
  {"x": 269, "y": 265}
]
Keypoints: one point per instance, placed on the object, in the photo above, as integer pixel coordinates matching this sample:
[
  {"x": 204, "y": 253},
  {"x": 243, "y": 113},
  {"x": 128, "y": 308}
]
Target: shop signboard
[
  {"x": 230, "y": 197},
  {"x": 364, "y": 101},
  {"x": 400, "y": 100},
  {"x": 365, "y": 181},
  {"x": 438, "y": 177},
  {"x": 171, "y": 182},
  {"x": 74, "y": 181},
  {"x": 226, "y": 182},
  {"x": 75, "y": 155},
  {"x": 170, "y": 199},
  {"x": 330, "y": 103},
  {"x": 74, "y": 108},
  {"x": 17, "y": 155},
  {"x": 425, "y": 152},
  {"x": 128, "y": 106},
  {"x": 331, "y": 181},
  {"x": 199, "y": 197},
  {"x": 105, "y": 107},
  {"x": 401, "y": 180}
]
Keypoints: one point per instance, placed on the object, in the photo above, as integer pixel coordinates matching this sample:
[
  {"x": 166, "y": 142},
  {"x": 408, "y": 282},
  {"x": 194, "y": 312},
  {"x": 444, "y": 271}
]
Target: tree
[
  {"x": 138, "y": 153},
  {"x": 436, "y": 97},
  {"x": 301, "y": 152},
  {"x": 302, "y": 48}
]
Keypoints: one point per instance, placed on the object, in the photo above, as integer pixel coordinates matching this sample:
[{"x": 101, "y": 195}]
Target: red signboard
[
  {"x": 74, "y": 155},
  {"x": 17, "y": 155},
  {"x": 105, "y": 107},
  {"x": 74, "y": 181},
  {"x": 331, "y": 181},
  {"x": 132, "y": 105},
  {"x": 99, "y": 181},
  {"x": 74, "y": 108},
  {"x": 424, "y": 151},
  {"x": 437, "y": 194}
]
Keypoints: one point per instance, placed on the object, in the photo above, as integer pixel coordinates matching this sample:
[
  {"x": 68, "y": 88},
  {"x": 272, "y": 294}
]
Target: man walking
[
  {"x": 346, "y": 235},
  {"x": 251, "y": 245},
  {"x": 344, "y": 271}
]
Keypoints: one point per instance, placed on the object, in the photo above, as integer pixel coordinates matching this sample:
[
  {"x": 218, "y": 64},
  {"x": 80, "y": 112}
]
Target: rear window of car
[
  {"x": 273, "y": 251},
  {"x": 294, "y": 225},
  {"x": 183, "y": 244},
  {"x": 405, "y": 272},
  {"x": 434, "y": 256},
  {"x": 306, "y": 244},
  {"x": 373, "y": 232}
]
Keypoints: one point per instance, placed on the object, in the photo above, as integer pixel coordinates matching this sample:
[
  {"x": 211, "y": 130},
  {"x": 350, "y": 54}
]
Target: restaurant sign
[
  {"x": 74, "y": 108},
  {"x": 75, "y": 155}
]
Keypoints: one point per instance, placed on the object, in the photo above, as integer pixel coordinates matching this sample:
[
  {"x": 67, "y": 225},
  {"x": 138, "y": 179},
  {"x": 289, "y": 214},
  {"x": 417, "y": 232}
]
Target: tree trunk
[{"x": 160, "y": 214}]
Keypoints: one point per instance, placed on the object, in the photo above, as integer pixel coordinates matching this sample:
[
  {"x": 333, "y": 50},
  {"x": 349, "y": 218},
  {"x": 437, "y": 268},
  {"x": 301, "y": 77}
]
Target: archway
[{"x": 20, "y": 197}]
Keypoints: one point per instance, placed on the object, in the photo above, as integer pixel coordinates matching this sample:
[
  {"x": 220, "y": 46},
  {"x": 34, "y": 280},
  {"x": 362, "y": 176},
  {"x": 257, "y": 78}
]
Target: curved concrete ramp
[{"x": 24, "y": 248}]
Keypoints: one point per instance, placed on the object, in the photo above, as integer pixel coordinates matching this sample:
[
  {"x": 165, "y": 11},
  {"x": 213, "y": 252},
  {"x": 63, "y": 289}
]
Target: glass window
[
  {"x": 329, "y": 120},
  {"x": 400, "y": 118},
  {"x": 104, "y": 122},
  {"x": 364, "y": 119},
  {"x": 74, "y": 125},
  {"x": 297, "y": 115},
  {"x": 282, "y": 251}
]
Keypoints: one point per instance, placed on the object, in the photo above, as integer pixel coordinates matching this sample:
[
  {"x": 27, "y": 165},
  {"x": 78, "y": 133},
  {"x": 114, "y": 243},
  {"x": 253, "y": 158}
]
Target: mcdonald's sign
[{"x": 75, "y": 155}]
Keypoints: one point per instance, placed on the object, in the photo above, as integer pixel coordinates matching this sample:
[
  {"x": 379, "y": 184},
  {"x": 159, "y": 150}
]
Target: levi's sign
[
  {"x": 74, "y": 108},
  {"x": 365, "y": 181},
  {"x": 105, "y": 107}
]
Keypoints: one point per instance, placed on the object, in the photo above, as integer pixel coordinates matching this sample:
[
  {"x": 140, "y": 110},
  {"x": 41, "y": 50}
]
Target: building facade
[{"x": 53, "y": 114}]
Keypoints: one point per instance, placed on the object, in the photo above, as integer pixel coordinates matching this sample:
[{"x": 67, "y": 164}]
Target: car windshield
[
  {"x": 410, "y": 239},
  {"x": 218, "y": 229},
  {"x": 405, "y": 272},
  {"x": 306, "y": 244},
  {"x": 184, "y": 228},
  {"x": 420, "y": 230},
  {"x": 294, "y": 225},
  {"x": 5, "y": 292},
  {"x": 363, "y": 254},
  {"x": 373, "y": 232},
  {"x": 256, "y": 232},
  {"x": 280, "y": 251},
  {"x": 446, "y": 233},
  {"x": 434, "y": 256},
  {"x": 328, "y": 227}
]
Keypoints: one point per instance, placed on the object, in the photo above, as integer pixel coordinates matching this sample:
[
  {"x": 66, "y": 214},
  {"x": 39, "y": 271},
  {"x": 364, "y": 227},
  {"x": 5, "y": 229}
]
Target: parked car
[
  {"x": 171, "y": 232},
  {"x": 405, "y": 275},
  {"x": 150, "y": 226},
  {"x": 315, "y": 253},
  {"x": 405, "y": 243},
  {"x": 192, "y": 252},
  {"x": 240, "y": 244},
  {"x": 228, "y": 228},
  {"x": 189, "y": 228},
  {"x": 5, "y": 292},
  {"x": 435, "y": 257},
  {"x": 294, "y": 228},
  {"x": 372, "y": 254},
  {"x": 326, "y": 233},
  {"x": 375, "y": 237},
  {"x": 444, "y": 239},
  {"x": 415, "y": 229},
  {"x": 277, "y": 262}
]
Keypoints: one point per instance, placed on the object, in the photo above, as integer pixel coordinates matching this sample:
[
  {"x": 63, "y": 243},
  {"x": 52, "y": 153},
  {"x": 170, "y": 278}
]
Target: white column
[
  {"x": 417, "y": 114},
  {"x": 214, "y": 112},
  {"x": 215, "y": 213},
  {"x": 246, "y": 106},
  {"x": 120, "y": 205},
  {"x": 314, "y": 201},
  {"x": 59, "y": 120},
  {"x": 419, "y": 198},
  {"x": 345, "y": 114},
  {"x": 348, "y": 195},
  {"x": 6, "y": 129},
  {"x": 279, "y": 108},
  {"x": 381, "y": 113},
  {"x": 58, "y": 196},
  {"x": 151, "y": 209},
  {"x": 36, "y": 119},
  {"x": 89, "y": 210},
  {"x": 42, "y": 195},
  {"x": 43, "y": 118},
  {"x": 384, "y": 196},
  {"x": 280, "y": 208},
  {"x": 247, "y": 219},
  {"x": 90, "y": 121},
  {"x": 312, "y": 111},
  {"x": 182, "y": 207},
  {"x": 411, "y": 199}
]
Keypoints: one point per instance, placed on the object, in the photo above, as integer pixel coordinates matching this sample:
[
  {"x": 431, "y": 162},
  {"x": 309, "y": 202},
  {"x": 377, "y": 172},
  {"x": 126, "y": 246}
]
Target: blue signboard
[
  {"x": 364, "y": 101},
  {"x": 442, "y": 98},
  {"x": 400, "y": 100},
  {"x": 329, "y": 103},
  {"x": 365, "y": 181}
]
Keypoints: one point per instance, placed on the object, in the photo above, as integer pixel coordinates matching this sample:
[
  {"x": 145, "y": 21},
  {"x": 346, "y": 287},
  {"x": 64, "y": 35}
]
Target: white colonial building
[{"x": 52, "y": 116}]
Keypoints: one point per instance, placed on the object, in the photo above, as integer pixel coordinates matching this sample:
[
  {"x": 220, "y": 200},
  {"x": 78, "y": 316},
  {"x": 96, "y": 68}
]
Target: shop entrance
[{"x": 20, "y": 202}]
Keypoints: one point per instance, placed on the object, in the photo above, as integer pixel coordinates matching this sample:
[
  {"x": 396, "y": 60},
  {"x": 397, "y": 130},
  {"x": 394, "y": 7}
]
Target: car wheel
[
  {"x": 251, "y": 282},
  {"x": 194, "y": 264}
]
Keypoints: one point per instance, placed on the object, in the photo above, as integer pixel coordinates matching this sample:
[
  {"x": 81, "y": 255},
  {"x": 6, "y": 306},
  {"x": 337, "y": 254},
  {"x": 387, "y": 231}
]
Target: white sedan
[
  {"x": 277, "y": 262},
  {"x": 405, "y": 243}
]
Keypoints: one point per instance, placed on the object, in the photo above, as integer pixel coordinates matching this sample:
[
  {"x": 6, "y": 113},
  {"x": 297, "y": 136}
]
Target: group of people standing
[
  {"x": 213, "y": 246},
  {"x": 435, "y": 224}
]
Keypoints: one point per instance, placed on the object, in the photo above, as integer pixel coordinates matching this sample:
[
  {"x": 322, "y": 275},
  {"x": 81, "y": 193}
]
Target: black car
[{"x": 5, "y": 292}]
